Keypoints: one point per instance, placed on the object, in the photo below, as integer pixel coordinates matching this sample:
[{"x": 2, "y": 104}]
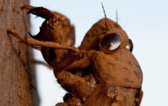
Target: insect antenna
[
  {"x": 117, "y": 15},
  {"x": 105, "y": 16}
]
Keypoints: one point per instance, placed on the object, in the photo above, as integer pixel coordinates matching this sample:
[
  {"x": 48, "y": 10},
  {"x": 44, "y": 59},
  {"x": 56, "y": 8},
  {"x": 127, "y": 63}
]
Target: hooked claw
[{"x": 39, "y": 11}]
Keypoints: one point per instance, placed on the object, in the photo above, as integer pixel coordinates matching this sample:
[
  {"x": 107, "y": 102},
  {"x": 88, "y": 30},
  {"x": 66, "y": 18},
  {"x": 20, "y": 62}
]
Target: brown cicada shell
[{"x": 101, "y": 72}]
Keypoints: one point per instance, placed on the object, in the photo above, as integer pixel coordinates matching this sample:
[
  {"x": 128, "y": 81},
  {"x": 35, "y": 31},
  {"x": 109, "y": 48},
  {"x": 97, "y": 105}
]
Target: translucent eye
[{"x": 110, "y": 42}]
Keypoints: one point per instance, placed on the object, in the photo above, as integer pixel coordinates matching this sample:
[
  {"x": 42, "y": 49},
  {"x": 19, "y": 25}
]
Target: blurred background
[{"x": 144, "y": 21}]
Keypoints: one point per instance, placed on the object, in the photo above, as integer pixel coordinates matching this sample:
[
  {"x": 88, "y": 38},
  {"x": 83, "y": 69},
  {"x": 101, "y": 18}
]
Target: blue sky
[{"x": 144, "y": 21}]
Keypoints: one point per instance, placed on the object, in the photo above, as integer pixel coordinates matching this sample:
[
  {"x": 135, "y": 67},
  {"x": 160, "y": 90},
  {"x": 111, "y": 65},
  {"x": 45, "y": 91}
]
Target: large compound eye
[{"x": 110, "y": 42}]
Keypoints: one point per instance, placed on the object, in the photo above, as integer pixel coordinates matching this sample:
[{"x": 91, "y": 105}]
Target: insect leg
[
  {"x": 33, "y": 42},
  {"x": 76, "y": 85}
]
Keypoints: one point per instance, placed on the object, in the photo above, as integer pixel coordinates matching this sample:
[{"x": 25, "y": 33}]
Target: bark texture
[{"x": 14, "y": 56}]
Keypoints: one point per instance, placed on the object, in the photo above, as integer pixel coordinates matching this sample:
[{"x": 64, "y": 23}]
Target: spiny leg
[{"x": 54, "y": 18}]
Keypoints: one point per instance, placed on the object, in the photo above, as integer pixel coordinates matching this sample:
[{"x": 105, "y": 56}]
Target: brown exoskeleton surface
[{"x": 101, "y": 72}]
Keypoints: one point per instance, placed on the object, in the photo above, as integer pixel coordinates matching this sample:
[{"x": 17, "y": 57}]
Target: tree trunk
[{"x": 14, "y": 56}]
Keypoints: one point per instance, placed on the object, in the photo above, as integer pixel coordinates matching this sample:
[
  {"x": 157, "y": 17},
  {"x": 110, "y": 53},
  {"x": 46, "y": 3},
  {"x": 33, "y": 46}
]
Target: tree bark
[{"x": 15, "y": 87}]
